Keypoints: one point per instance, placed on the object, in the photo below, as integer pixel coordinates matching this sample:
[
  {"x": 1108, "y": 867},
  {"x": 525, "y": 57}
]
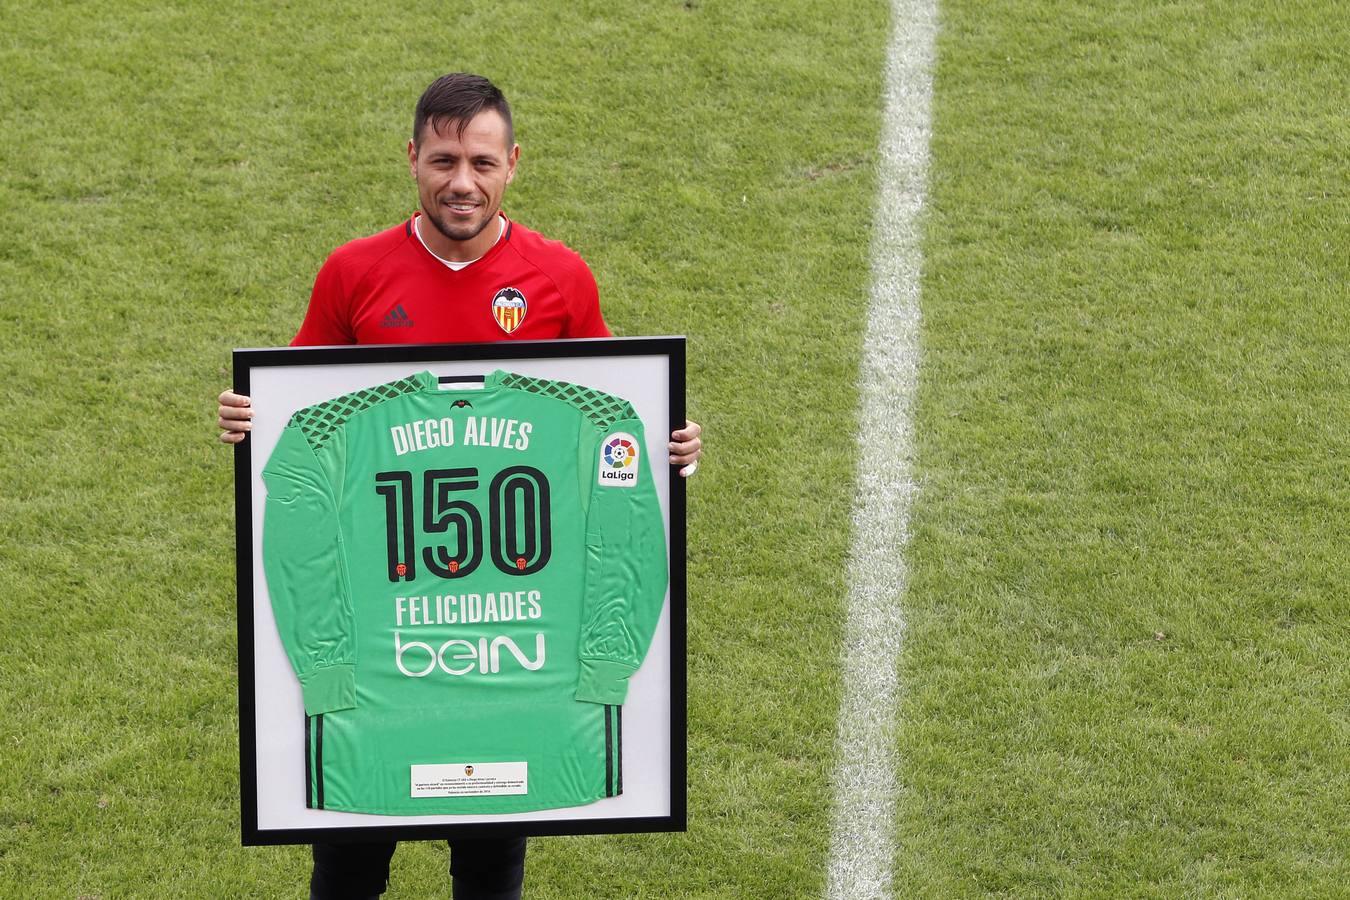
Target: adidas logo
[{"x": 396, "y": 318}]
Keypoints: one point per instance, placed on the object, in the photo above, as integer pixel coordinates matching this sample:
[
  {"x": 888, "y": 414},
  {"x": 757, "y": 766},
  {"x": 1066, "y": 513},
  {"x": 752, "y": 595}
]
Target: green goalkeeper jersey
[{"x": 463, "y": 579}]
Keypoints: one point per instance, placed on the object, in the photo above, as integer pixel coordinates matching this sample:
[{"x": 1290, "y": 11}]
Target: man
[{"x": 458, "y": 271}]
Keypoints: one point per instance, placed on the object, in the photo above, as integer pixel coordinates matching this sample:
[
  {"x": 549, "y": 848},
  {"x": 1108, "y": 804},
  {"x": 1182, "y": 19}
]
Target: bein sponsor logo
[{"x": 460, "y": 657}]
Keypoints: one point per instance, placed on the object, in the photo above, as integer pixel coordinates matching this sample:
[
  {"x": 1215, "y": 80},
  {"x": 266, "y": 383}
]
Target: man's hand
[
  {"x": 236, "y": 411},
  {"x": 685, "y": 445}
]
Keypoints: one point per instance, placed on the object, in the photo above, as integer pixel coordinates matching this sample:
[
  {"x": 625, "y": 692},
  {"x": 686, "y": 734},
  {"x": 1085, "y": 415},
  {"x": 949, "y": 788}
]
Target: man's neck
[{"x": 458, "y": 252}]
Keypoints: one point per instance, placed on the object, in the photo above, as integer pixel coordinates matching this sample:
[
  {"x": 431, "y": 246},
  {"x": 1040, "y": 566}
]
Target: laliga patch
[
  {"x": 509, "y": 308},
  {"x": 619, "y": 460}
]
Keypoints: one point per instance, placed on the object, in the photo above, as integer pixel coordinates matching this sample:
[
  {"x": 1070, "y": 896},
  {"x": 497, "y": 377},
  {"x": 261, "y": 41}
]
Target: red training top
[{"x": 389, "y": 289}]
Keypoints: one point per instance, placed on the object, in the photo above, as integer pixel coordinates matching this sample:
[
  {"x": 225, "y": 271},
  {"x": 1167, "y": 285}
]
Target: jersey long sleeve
[
  {"x": 625, "y": 553},
  {"x": 463, "y": 580},
  {"x": 303, "y": 562}
]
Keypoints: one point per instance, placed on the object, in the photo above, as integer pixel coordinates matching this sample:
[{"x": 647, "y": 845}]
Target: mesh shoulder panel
[
  {"x": 601, "y": 408},
  {"x": 320, "y": 421}
]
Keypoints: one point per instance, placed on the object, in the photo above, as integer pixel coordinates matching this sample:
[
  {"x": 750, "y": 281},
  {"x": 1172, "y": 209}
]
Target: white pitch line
[{"x": 862, "y": 848}]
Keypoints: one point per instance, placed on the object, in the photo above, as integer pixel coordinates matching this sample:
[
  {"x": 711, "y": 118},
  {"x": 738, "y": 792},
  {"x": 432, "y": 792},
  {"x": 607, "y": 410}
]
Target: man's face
[{"x": 461, "y": 178}]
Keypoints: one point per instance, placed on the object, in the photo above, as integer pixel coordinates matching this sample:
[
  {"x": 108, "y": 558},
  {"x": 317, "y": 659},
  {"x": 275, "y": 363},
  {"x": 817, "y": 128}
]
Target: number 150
[{"x": 517, "y": 514}]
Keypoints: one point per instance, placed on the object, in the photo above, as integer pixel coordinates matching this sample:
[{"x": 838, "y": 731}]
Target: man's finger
[
  {"x": 688, "y": 448},
  {"x": 230, "y": 398},
  {"x": 236, "y": 413},
  {"x": 232, "y": 437},
  {"x": 689, "y": 469},
  {"x": 689, "y": 432},
  {"x": 234, "y": 425}
]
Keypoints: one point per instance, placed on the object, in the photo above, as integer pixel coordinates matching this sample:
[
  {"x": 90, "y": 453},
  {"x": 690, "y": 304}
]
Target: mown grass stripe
[{"x": 862, "y": 845}]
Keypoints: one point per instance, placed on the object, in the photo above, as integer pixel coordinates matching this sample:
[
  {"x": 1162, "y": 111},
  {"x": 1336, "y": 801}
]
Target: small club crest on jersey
[{"x": 509, "y": 308}]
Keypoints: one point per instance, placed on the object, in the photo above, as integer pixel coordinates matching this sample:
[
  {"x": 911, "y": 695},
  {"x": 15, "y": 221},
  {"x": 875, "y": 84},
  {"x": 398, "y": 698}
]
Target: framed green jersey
[{"x": 461, "y": 590}]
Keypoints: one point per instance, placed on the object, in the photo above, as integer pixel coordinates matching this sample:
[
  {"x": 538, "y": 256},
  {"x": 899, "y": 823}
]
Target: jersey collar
[
  {"x": 410, "y": 229},
  {"x": 431, "y": 382}
]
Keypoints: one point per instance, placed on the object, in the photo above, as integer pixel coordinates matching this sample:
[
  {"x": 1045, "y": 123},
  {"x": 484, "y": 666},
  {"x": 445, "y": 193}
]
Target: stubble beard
[{"x": 462, "y": 233}]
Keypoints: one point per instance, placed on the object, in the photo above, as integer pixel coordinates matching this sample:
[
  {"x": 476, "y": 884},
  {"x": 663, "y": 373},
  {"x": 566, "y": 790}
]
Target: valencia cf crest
[
  {"x": 509, "y": 308},
  {"x": 468, "y": 771}
]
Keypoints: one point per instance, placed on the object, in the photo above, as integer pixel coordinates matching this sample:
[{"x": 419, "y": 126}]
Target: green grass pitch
[{"x": 1125, "y": 666}]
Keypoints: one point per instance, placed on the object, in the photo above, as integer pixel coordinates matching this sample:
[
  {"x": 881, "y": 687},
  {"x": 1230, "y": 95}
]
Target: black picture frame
[{"x": 558, "y": 357}]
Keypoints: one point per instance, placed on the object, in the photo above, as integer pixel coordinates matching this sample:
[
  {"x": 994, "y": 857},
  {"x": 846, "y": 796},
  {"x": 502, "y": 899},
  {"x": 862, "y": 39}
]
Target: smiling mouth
[{"x": 461, "y": 206}]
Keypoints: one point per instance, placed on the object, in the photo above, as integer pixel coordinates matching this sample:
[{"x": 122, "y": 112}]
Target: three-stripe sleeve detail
[
  {"x": 613, "y": 750},
  {"x": 314, "y": 762}
]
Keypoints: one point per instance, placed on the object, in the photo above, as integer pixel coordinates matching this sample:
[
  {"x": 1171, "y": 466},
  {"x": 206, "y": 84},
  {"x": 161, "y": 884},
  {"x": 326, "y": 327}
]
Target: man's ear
[
  {"x": 412, "y": 157},
  {"x": 511, "y": 163}
]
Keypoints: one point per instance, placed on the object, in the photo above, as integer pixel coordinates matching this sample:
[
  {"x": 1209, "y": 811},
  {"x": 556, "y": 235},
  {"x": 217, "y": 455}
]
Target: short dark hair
[{"x": 455, "y": 99}]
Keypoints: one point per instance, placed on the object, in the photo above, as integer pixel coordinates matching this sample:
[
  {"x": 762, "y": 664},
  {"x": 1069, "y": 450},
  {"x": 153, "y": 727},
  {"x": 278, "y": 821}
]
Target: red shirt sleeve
[
  {"x": 328, "y": 318},
  {"x": 584, "y": 318}
]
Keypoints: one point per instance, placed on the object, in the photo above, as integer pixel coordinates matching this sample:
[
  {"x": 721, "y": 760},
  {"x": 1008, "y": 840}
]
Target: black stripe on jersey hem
[
  {"x": 309, "y": 770},
  {"x": 318, "y": 760},
  {"x": 609, "y": 754},
  {"x": 618, "y": 749}
]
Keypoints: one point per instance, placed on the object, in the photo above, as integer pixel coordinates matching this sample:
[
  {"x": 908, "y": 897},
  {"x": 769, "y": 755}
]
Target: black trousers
[{"x": 480, "y": 869}]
